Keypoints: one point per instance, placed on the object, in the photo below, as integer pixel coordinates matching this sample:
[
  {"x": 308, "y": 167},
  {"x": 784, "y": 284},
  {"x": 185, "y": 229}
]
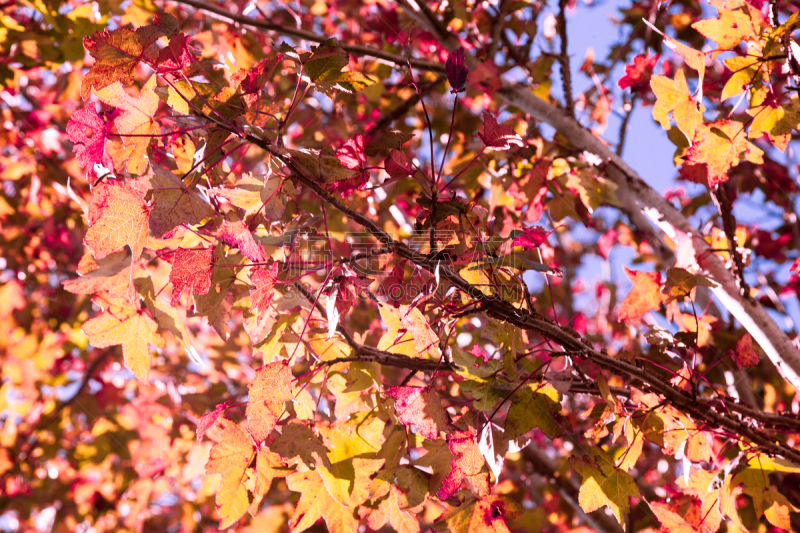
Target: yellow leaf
[
  {"x": 673, "y": 96},
  {"x": 604, "y": 484},
  {"x": 720, "y": 146},
  {"x": 230, "y": 458},
  {"x": 732, "y": 27},
  {"x": 122, "y": 323}
]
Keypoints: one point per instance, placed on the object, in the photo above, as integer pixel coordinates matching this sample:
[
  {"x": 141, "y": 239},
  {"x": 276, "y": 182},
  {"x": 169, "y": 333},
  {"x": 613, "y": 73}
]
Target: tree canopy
[{"x": 356, "y": 266}]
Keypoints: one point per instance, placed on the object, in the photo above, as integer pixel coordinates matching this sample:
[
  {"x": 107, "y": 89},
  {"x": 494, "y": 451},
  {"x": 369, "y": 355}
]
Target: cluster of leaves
[{"x": 338, "y": 319}]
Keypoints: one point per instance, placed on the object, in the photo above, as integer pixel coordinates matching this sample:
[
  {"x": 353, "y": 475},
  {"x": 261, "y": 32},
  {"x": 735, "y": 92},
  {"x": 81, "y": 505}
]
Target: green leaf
[
  {"x": 604, "y": 484},
  {"x": 536, "y": 406}
]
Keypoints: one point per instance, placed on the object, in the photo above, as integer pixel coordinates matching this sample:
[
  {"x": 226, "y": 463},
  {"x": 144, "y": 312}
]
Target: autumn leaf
[
  {"x": 254, "y": 195},
  {"x": 489, "y": 514},
  {"x": 327, "y": 67},
  {"x": 117, "y": 55},
  {"x": 422, "y": 407},
  {"x": 118, "y": 217},
  {"x": 408, "y": 332},
  {"x": 673, "y": 96},
  {"x": 89, "y": 132},
  {"x": 114, "y": 275},
  {"x": 694, "y": 59},
  {"x": 176, "y": 55},
  {"x": 230, "y": 458},
  {"x": 191, "y": 272},
  {"x": 467, "y": 463},
  {"x": 390, "y": 510},
  {"x": 173, "y": 203},
  {"x": 768, "y": 502},
  {"x": 638, "y": 73},
  {"x": 316, "y": 502},
  {"x": 535, "y": 406},
  {"x": 136, "y": 124},
  {"x": 604, "y": 484},
  {"x": 644, "y": 296},
  {"x": 732, "y": 27},
  {"x": 263, "y": 279},
  {"x": 775, "y": 121},
  {"x": 745, "y": 355},
  {"x": 397, "y": 165},
  {"x": 456, "y": 71},
  {"x": 498, "y": 136},
  {"x": 386, "y": 139},
  {"x": 252, "y": 81},
  {"x": 122, "y": 323},
  {"x": 269, "y": 465},
  {"x": 205, "y": 422},
  {"x": 720, "y": 146},
  {"x": 269, "y": 391}
]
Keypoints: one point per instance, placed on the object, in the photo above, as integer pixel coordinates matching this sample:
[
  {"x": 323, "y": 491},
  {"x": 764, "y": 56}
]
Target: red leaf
[
  {"x": 392, "y": 287},
  {"x": 497, "y": 136},
  {"x": 207, "y": 420},
  {"x": 238, "y": 235},
  {"x": 253, "y": 80},
  {"x": 261, "y": 295},
  {"x": 422, "y": 407},
  {"x": 606, "y": 242},
  {"x": 352, "y": 156},
  {"x": 466, "y": 463},
  {"x": 637, "y": 74},
  {"x": 176, "y": 55},
  {"x": 191, "y": 271},
  {"x": 745, "y": 355},
  {"x": 477, "y": 351},
  {"x": 456, "y": 71},
  {"x": 397, "y": 165},
  {"x": 530, "y": 238},
  {"x": 88, "y": 131}
]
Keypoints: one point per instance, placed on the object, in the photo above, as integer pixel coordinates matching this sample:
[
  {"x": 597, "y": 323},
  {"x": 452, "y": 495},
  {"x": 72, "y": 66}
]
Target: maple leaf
[
  {"x": 136, "y": 124},
  {"x": 118, "y": 217},
  {"x": 269, "y": 391},
  {"x": 269, "y": 465},
  {"x": 327, "y": 68},
  {"x": 252, "y": 81},
  {"x": 352, "y": 156},
  {"x": 422, "y": 407},
  {"x": 237, "y": 235},
  {"x": 230, "y": 458},
  {"x": 498, "y": 136},
  {"x": 122, "y": 323},
  {"x": 456, "y": 71},
  {"x": 256, "y": 195},
  {"x": 535, "y": 406},
  {"x": 644, "y": 296},
  {"x": 205, "y": 422},
  {"x": 316, "y": 502},
  {"x": 408, "y": 332},
  {"x": 112, "y": 275},
  {"x": 191, "y": 271},
  {"x": 489, "y": 514},
  {"x": 674, "y": 522},
  {"x": 173, "y": 204},
  {"x": 117, "y": 54},
  {"x": 604, "y": 484},
  {"x": 745, "y": 355},
  {"x": 215, "y": 306},
  {"x": 673, "y": 96},
  {"x": 768, "y": 502},
  {"x": 775, "y": 121},
  {"x": 386, "y": 139},
  {"x": 397, "y": 165},
  {"x": 89, "y": 131},
  {"x": 732, "y": 27},
  {"x": 720, "y": 146},
  {"x": 638, "y": 73},
  {"x": 297, "y": 440},
  {"x": 176, "y": 55},
  {"x": 390, "y": 510},
  {"x": 261, "y": 294},
  {"x": 467, "y": 463},
  {"x": 530, "y": 238},
  {"x": 694, "y": 59}
]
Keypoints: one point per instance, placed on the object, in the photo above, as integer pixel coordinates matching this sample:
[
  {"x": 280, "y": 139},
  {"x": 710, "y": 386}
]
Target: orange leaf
[
  {"x": 316, "y": 502},
  {"x": 720, "y": 146},
  {"x": 269, "y": 391},
  {"x": 745, "y": 355},
  {"x": 422, "y": 407},
  {"x": 644, "y": 296},
  {"x": 118, "y": 217}
]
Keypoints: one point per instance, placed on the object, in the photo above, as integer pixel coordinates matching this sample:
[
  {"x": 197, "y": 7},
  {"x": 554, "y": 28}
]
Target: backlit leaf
[
  {"x": 230, "y": 458},
  {"x": 422, "y": 407},
  {"x": 269, "y": 391},
  {"x": 644, "y": 296},
  {"x": 604, "y": 484},
  {"x": 720, "y": 146}
]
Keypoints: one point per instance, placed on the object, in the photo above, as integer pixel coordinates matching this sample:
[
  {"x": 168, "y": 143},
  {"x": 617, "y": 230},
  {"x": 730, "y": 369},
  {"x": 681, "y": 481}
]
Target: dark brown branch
[
  {"x": 720, "y": 196},
  {"x": 366, "y": 354},
  {"x": 563, "y": 59}
]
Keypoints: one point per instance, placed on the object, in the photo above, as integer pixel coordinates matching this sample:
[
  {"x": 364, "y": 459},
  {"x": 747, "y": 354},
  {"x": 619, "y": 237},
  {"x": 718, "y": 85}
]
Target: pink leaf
[
  {"x": 530, "y": 238},
  {"x": 497, "y": 136},
  {"x": 88, "y": 131},
  {"x": 351, "y": 155},
  {"x": 207, "y": 420},
  {"x": 422, "y": 407},
  {"x": 191, "y": 271},
  {"x": 238, "y": 235},
  {"x": 176, "y": 55},
  {"x": 397, "y": 165}
]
